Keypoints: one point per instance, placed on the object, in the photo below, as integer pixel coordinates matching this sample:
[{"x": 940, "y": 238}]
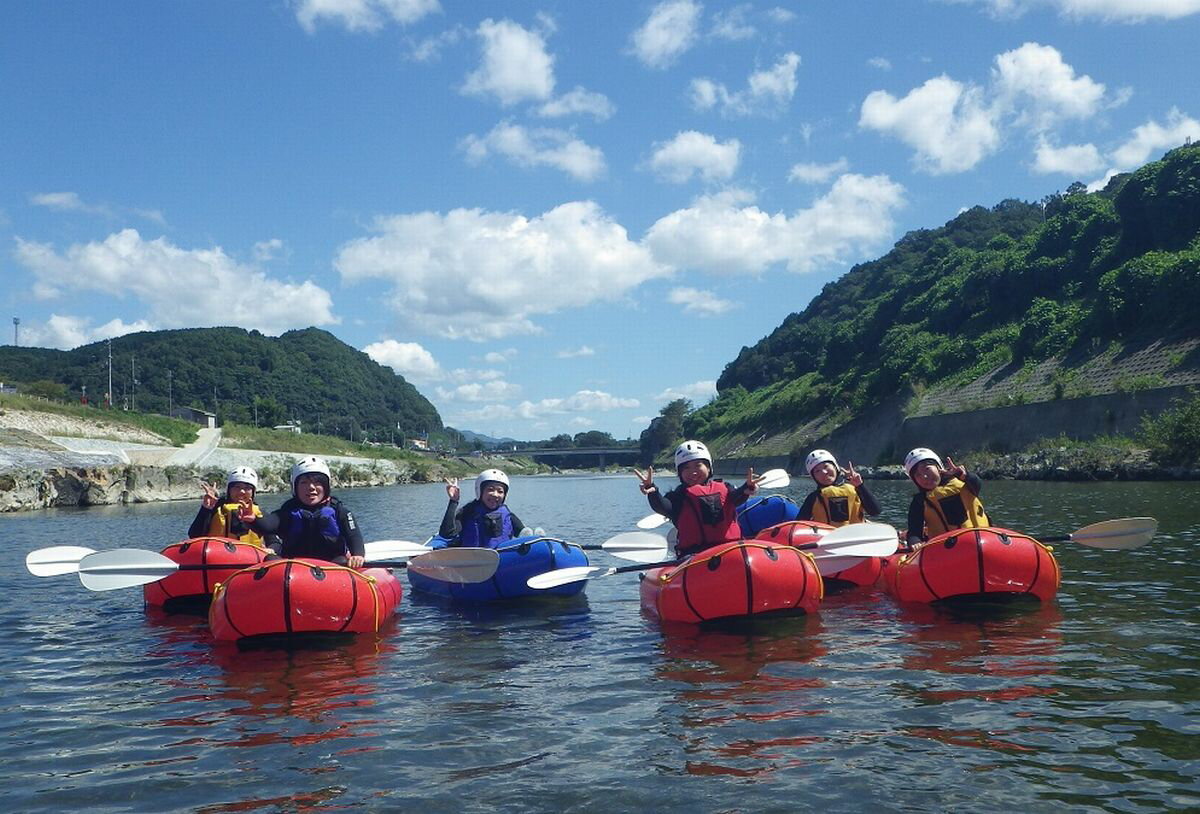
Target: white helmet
[
  {"x": 920, "y": 454},
  {"x": 818, "y": 457},
  {"x": 243, "y": 474},
  {"x": 692, "y": 451},
  {"x": 307, "y": 466},
  {"x": 490, "y": 476}
]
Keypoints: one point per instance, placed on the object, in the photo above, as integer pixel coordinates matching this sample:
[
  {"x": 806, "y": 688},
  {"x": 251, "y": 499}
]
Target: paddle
[
  {"x": 128, "y": 567},
  {"x": 1126, "y": 532},
  {"x": 771, "y": 479},
  {"x": 638, "y": 546},
  {"x": 56, "y": 560},
  {"x": 855, "y": 540}
]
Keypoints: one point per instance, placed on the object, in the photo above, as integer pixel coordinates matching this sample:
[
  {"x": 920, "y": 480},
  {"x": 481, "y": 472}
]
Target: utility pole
[
  {"x": 133, "y": 382},
  {"x": 16, "y": 332},
  {"x": 109, "y": 395},
  {"x": 170, "y": 395}
]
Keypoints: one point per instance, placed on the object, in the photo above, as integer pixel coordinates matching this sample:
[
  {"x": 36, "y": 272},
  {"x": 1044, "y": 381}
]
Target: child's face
[
  {"x": 492, "y": 495},
  {"x": 241, "y": 493},
  {"x": 694, "y": 472},
  {"x": 926, "y": 475},
  {"x": 310, "y": 489},
  {"x": 825, "y": 473}
]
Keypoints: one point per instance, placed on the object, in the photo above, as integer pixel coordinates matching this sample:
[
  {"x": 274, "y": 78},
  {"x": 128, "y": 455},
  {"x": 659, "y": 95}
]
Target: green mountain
[
  {"x": 308, "y": 375},
  {"x": 1034, "y": 296}
]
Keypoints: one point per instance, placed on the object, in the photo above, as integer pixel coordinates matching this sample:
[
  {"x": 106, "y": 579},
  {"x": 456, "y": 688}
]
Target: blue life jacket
[
  {"x": 313, "y": 533},
  {"x": 484, "y": 529}
]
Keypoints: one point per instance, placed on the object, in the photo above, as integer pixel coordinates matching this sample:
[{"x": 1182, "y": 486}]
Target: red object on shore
[
  {"x": 738, "y": 579},
  {"x": 295, "y": 597},
  {"x": 215, "y": 560},
  {"x": 864, "y": 572},
  {"x": 983, "y": 562}
]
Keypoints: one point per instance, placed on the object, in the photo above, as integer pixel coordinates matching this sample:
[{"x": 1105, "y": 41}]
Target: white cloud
[
  {"x": 67, "y": 202},
  {"x": 691, "y": 153},
  {"x": 578, "y": 101},
  {"x": 1075, "y": 160},
  {"x": 669, "y": 31},
  {"x": 218, "y": 290},
  {"x": 696, "y": 392},
  {"x": 265, "y": 250},
  {"x": 430, "y": 49},
  {"x": 492, "y": 390},
  {"x": 484, "y": 275},
  {"x": 409, "y": 359},
  {"x": 362, "y": 15},
  {"x": 575, "y": 353},
  {"x": 817, "y": 173},
  {"x": 731, "y": 24},
  {"x": 515, "y": 65},
  {"x": 580, "y": 401},
  {"x": 946, "y": 122},
  {"x": 766, "y": 91},
  {"x": 698, "y": 302},
  {"x": 1152, "y": 138},
  {"x": 720, "y": 235},
  {"x": 882, "y": 63},
  {"x": 544, "y": 147},
  {"x": 66, "y": 332},
  {"x": 499, "y": 357},
  {"x": 779, "y": 14},
  {"x": 1035, "y": 81},
  {"x": 1125, "y": 11}
]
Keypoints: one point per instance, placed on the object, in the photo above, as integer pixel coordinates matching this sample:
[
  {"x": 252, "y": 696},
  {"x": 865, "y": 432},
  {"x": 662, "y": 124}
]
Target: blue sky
[{"x": 550, "y": 217}]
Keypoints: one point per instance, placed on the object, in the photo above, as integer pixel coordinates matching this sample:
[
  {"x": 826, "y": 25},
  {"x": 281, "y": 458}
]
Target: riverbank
[{"x": 49, "y": 461}]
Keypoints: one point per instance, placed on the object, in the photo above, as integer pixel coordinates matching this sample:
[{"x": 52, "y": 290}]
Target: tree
[{"x": 663, "y": 431}]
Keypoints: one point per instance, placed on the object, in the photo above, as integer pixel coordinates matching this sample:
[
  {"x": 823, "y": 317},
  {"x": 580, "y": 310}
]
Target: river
[{"x": 1090, "y": 703}]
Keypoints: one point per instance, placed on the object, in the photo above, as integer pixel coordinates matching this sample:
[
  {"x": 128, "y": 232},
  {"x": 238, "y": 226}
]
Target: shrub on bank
[{"x": 1174, "y": 436}]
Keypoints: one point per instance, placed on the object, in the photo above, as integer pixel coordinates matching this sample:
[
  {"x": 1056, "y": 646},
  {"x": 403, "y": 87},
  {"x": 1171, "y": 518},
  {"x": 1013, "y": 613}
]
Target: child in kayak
[
  {"x": 841, "y": 497},
  {"x": 220, "y": 515},
  {"x": 703, "y": 508},
  {"x": 948, "y": 500},
  {"x": 485, "y": 522},
  {"x": 313, "y": 523}
]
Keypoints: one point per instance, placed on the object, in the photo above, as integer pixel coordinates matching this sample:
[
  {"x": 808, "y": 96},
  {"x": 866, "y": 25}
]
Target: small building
[
  {"x": 288, "y": 427},
  {"x": 196, "y": 416},
  {"x": 419, "y": 443}
]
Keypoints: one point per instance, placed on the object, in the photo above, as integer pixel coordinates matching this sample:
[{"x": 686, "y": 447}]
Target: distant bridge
[{"x": 582, "y": 457}]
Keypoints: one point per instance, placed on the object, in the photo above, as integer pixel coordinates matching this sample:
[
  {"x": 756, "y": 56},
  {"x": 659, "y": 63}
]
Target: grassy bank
[{"x": 174, "y": 430}]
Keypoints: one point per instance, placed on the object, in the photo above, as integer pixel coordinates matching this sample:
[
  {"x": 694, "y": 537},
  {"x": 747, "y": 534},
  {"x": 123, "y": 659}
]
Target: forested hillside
[
  {"x": 1011, "y": 285},
  {"x": 242, "y": 376}
]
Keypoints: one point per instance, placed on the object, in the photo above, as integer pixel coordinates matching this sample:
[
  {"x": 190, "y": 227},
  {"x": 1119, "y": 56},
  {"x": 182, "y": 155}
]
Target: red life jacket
[{"x": 707, "y": 517}]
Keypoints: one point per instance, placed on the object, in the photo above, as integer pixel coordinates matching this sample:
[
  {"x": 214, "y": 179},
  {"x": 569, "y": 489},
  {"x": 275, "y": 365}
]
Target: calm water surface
[{"x": 1091, "y": 703}]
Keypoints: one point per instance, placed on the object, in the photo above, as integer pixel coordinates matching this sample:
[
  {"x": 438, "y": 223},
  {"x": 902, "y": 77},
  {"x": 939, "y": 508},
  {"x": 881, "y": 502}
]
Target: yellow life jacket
[
  {"x": 225, "y": 523},
  {"x": 837, "y": 505},
  {"x": 952, "y": 506}
]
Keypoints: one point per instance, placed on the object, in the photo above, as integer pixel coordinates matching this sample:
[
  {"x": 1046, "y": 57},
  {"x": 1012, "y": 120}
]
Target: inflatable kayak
[
  {"x": 739, "y": 579},
  {"x": 973, "y": 563},
  {"x": 839, "y": 573},
  {"x": 295, "y": 597},
  {"x": 520, "y": 559},
  {"x": 759, "y": 513},
  {"x": 210, "y": 560}
]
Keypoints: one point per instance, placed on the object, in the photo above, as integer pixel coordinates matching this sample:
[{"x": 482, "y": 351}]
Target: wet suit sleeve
[
  {"x": 739, "y": 495},
  {"x": 667, "y": 505},
  {"x": 451, "y": 521},
  {"x": 973, "y": 483},
  {"x": 916, "y": 518},
  {"x": 516, "y": 524},
  {"x": 268, "y": 526},
  {"x": 806, "y": 510},
  {"x": 870, "y": 505},
  {"x": 351, "y": 533},
  {"x": 202, "y": 523}
]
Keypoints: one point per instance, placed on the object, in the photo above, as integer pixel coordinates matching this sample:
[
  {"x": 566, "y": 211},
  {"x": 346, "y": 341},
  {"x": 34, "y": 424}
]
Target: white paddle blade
[
  {"x": 56, "y": 560},
  {"x": 828, "y": 566},
  {"x": 564, "y": 576},
  {"x": 461, "y": 565},
  {"x": 1128, "y": 532},
  {"x": 123, "y": 568},
  {"x": 774, "y": 479},
  {"x": 637, "y": 546},
  {"x": 652, "y": 521},
  {"x": 393, "y": 550},
  {"x": 860, "y": 540}
]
